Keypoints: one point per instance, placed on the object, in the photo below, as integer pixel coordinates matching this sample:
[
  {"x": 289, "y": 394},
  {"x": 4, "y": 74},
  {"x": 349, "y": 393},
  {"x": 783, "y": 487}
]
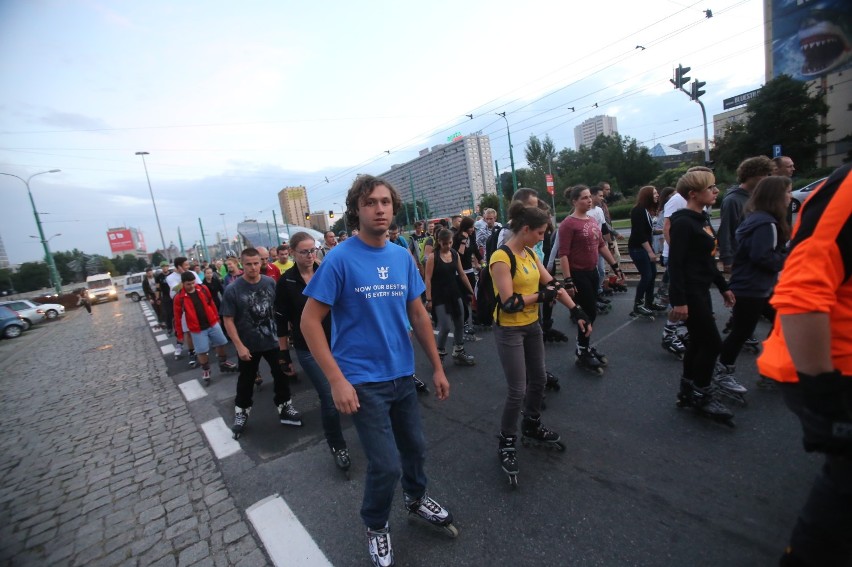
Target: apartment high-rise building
[
  {"x": 294, "y": 206},
  {"x": 4, "y": 258},
  {"x": 449, "y": 179},
  {"x": 586, "y": 133}
]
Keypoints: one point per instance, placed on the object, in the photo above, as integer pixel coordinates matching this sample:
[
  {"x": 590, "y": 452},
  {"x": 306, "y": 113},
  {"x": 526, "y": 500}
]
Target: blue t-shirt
[{"x": 368, "y": 290}]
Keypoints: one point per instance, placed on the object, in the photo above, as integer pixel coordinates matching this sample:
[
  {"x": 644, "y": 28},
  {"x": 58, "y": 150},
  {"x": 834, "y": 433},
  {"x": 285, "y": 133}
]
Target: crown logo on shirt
[{"x": 383, "y": 272}]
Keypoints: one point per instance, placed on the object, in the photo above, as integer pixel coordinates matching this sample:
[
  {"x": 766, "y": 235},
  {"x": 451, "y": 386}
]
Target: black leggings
[
  {"x": 704, "y": 340},
  {"x": 586, "y": 283},
  {"x": 746, "y": 314}
]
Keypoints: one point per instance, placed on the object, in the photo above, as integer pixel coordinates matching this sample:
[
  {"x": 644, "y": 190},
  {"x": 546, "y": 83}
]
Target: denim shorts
[{"x": 213, "y": 336}]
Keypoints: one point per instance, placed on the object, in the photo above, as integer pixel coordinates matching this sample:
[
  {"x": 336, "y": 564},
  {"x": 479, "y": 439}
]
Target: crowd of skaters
[{"x": 262, "y": 295}]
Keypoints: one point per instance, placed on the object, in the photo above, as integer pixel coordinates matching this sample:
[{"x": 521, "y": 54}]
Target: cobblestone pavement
[{"x": 100, "y": 460}]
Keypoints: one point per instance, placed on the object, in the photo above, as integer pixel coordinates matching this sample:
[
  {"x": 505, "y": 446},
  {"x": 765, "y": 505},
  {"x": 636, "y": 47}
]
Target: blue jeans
[
  {"x": 388, "y": 424},
  {"x": 647, "y": 275},
  {"x": 328, "y": 413}
]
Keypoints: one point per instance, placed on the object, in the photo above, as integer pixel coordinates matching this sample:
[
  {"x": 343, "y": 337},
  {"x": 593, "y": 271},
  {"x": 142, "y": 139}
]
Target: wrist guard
[
  {"x": 826, "y": 413},
  {"x": 514, "y": 304},
  {"x": 577, "y": 315}
]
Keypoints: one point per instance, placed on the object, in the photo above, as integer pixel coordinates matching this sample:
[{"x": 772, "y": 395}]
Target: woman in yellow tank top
[{"x": 519, "y": 337}]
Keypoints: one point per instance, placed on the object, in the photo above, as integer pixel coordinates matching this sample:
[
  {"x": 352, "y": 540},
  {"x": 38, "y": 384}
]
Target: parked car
[
  {"x": 799, "y": 195},
  {"x": 35, "y": 312},
  {"x": 11, "y": 325}
]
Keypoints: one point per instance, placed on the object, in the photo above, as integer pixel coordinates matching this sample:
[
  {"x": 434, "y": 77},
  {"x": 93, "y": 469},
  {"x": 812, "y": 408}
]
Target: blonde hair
[{"x": 694, "y": 181}]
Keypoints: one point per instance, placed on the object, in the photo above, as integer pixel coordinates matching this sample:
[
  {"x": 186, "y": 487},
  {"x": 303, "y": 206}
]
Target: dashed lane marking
[
  {"x": 167, "y": 349},
  {"x": 192, "y": 390},
  {"x": 160, "y": 338},
  {"x": 220, "y": 438},
  {"x": 285, "y": 538}
]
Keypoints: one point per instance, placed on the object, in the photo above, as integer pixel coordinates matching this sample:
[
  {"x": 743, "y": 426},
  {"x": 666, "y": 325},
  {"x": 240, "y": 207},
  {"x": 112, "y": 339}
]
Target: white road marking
[
  {"x": 220, "y": 437},
  {"x": 167, "y": 349},
  {"x": 192, "y": 390},
  {"x": 285, "y": 538},
  {"x": 160, "y": 338}
]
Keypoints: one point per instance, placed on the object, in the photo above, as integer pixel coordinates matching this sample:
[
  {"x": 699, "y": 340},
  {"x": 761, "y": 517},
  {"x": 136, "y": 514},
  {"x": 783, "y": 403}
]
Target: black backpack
[{"x": 486, "y": 300}]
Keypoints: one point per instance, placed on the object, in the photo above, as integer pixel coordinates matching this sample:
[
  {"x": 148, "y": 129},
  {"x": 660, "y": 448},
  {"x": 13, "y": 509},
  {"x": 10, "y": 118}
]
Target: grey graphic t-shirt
[{"x": 253, "y": 308}]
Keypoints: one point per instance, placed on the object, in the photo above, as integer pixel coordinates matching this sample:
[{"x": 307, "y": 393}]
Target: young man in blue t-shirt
[{"x": 372, "y": 290}]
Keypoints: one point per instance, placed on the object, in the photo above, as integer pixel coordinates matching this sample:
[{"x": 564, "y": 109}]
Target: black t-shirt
[{"x": 200, "y": 313}]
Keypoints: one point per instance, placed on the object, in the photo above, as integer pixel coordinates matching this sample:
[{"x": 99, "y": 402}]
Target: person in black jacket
[
  {"x": 692, "y": 269},
  {"x": 289, "y": 304},
  {"x": 761, "y": 251},
  {"x": 640, "y": 246}
]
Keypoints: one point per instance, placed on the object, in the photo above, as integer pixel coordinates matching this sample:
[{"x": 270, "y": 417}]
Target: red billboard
[{"x": 120, "y": 240}]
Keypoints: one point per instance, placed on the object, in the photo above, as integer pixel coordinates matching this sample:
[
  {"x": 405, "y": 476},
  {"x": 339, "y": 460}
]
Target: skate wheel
[
  {"x": 451, "y": 530},
  {"x": 513, "y": 481},
  {"x": 559, "y": 446}
]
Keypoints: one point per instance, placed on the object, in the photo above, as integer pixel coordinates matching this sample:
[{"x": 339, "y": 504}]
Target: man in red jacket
[{"x": 202, "y": 320}]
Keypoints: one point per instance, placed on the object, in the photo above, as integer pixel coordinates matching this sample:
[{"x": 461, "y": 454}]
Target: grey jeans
[
  {"x": 445, "y": 321},
  {"x": 521, "y": 353}
]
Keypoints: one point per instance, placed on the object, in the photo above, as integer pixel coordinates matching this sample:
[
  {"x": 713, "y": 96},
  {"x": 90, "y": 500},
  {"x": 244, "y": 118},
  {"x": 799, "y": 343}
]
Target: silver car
[
  {"x": 799, "y": 195},
  {"x": 35, "y": 312}
]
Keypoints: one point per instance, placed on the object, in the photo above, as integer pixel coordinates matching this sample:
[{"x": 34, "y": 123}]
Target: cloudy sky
[{"x": 236, "y": 100}]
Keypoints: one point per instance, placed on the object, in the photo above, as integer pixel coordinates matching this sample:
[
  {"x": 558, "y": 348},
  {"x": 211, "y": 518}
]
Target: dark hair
[
  {"x": 418, "y": 224},
  {"x": 179, "y": 261},
  {"x": 249, "y": 252},
  {"x": 393, "y": 226},
  {"x": 363, "y": 187},
  {"x": 524, "y": 194},
  {"x": 665, "y": 195},
  {"x": 300, "y": 237},
  {"x": 595, "y": 190},
  {"x": 520, "y": 215},
  {"x": 187, "y": 276},
  {"x": 466, "y": 224},
  {"x": 573, "y": 193},
  {"x": 769, "y": 196},
  {"x": 444, "y": 235},
  {"x": 645, "y": 198},
  {"x": 283, "y": 247},
  {"x": 754, "y": 167}
]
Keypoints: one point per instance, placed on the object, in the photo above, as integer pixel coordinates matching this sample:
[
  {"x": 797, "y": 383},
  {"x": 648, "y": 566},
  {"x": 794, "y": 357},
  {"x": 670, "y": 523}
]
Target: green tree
[
  {"x": 6, "y": 283},
  {"x": 31, "y": 276},
  {"x": 784, "y": 112}
]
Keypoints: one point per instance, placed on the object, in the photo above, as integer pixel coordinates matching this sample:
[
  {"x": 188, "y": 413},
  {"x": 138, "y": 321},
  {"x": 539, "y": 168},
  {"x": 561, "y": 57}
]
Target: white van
[
  {"x": 133, "y": 286},
  {"x": 101, "y": 288}
]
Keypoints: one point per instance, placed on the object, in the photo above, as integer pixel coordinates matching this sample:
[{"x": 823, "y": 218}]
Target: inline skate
[
  {"x": 555, "y": 336},
  {"x": 469, "y": 333},
  {"x": 551, "y": 382},
  {"x": 228, "y": 366},
  {"x": 602, "y": 359},
  {"x": 587, "y": 361},
  {"x": 193, "y": 359},
  {"x": 752, "y": 345},
  {"x": 288, "y": 415},
  {"x": 240, "y": 420},
  {"x": 615, "y": 285},
  {"x": 205, "y": 375},
  {"x": 672, "y": 343},
  {"x": 342, "y": 460},
  {"x": 461, "y": 358},
  {"x": 379, "y": 544},
  {"x": 178, "y": 350},
  {"x": 704, "y": 401},
  {"x": 534, "y": 434},
  {"x": 508, "y": 456},
  {"x": 640, "y": 311},
  {"x": 429, "y": 511},
  {"x": 727, "y": 385}
]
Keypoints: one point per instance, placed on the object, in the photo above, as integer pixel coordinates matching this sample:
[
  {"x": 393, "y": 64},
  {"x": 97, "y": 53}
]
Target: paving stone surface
[{"x": 100, "y": 460}]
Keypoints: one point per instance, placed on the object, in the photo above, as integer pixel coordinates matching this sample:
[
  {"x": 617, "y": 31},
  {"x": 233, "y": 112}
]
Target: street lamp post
[
  {"x": 224, "y": 226},
  {"x": 550, "y": 159},
  {"x": 153, "y": 202},
  {"x": 511, "y": 155},
  {"x": 48, "y": 257}
]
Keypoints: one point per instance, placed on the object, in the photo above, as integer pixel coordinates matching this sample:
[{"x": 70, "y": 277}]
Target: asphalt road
[{"x": 642, "y": 482}]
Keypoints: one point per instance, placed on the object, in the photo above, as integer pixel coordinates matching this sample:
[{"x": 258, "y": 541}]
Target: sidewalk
[{"x": 100, "y": 460}]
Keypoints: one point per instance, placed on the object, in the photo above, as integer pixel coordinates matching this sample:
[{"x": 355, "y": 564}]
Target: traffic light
[
  {"x": 696, "y": 89},
  {"x": 307, "y": 216},
  {"x": 331, "y": 214},
  {"x": 680, "y": 78}
]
